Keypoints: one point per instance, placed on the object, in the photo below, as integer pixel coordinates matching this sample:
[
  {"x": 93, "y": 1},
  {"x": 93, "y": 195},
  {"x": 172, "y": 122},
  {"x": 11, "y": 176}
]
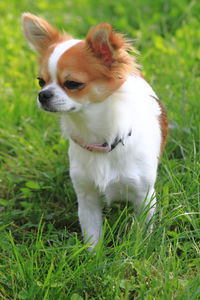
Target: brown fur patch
[
  {"x": 163, "y": 120},
  {"x": 110, "y": 50},
  {"x": 77, "y": 65}
]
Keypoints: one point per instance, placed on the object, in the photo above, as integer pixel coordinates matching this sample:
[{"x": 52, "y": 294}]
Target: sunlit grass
[{"x": 41, "y": 251}]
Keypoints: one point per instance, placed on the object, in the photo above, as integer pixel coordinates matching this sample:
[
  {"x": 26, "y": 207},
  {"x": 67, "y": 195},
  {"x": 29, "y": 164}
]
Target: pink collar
[{"x": 100, "y": 148}]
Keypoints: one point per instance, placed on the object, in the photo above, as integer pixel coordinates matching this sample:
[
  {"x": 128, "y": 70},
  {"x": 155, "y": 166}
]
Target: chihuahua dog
[{"x": 116, "y": 126}]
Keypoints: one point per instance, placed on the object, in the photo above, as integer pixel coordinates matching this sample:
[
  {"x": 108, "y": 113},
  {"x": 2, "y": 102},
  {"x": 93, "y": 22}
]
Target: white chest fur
[{"x": 130, "y": 108}]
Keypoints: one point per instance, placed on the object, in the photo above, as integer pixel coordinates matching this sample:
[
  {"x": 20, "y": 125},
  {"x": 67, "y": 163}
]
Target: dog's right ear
[{"x": 39, "y": 34}]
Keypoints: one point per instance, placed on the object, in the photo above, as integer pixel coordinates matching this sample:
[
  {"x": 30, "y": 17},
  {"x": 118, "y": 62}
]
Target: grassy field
[{"x": 41, "y": 250}]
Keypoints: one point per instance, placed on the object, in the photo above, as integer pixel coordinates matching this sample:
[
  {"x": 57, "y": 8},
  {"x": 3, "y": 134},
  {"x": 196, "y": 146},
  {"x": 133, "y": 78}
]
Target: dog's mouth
[
  {"x": 56, "y": 109},
  {"x": 49, "y": 109},
  {"x": 46, "y": 107}
]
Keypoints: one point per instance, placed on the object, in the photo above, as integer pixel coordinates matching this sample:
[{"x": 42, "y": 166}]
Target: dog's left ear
[{"x": 104, "y": 43}]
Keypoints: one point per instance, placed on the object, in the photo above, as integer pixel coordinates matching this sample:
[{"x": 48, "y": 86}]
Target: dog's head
[{"x": 74, "y": 73}]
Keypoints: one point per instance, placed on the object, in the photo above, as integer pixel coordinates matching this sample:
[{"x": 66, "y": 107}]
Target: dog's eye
[
  {"x": 73, "y": 85},
  {"x": 41, "y": 82}
]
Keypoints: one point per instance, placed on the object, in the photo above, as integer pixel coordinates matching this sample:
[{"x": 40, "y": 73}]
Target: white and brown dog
[{"x": 116, "y": 126}]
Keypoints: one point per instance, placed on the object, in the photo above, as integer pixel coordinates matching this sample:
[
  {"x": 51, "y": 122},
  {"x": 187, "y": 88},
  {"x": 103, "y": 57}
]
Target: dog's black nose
[{"x": 44, "y": 96}]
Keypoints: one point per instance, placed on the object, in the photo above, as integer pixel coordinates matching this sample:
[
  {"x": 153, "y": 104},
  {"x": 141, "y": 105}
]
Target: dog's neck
[{"x": 99, "y": 123}]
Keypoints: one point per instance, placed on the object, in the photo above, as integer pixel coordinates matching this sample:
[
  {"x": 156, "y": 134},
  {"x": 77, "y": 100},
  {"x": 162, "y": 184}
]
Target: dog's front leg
[
  {"x": 90, "y": 217},
  {"x": 147, "y": 199}
]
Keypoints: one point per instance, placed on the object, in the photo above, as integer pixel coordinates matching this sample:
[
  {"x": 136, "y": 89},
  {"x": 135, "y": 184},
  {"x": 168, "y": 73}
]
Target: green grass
[{"x": 41, "y": 251}]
